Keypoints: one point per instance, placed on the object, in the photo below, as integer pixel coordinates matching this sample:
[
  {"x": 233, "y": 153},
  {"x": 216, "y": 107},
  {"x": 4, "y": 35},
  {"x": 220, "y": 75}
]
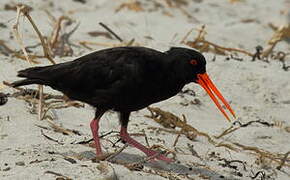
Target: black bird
[{"x": 125, "y": 79}]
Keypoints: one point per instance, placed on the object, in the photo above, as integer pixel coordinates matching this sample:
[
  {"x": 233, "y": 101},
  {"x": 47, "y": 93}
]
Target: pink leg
[
  {"x": 95, "y": 128},
  {"x": 125, "y": 136}
]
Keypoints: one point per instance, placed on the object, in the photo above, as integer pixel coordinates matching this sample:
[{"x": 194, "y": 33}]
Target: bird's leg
[
  {"x": 95, "y": 131},
  {"x": 124, "y": 118},
  {"x": 95, "y": 127}
]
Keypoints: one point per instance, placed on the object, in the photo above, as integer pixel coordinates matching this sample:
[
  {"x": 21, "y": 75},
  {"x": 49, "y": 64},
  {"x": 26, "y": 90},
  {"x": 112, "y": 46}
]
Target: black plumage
[{"x": 123, "y": 79}]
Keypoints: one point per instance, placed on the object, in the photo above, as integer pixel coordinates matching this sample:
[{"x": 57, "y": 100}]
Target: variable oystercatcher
[{"x": 125, "y": 79}]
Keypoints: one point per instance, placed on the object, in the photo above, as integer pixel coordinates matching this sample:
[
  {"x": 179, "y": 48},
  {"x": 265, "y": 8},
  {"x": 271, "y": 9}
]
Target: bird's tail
[
  {"x": 32, "y": 75},
  {"x": 27, "y": 82}
]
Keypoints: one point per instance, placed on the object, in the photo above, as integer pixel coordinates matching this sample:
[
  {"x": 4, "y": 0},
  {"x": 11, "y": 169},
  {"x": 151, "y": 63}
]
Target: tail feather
[
  {"x": 34, "y": 75},
  {"x": 33, "y": 72},
  {"x": 27, "y": 82}
]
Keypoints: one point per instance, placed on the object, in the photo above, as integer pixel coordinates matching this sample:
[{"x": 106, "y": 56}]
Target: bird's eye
[{"x": 193, "y": 62}]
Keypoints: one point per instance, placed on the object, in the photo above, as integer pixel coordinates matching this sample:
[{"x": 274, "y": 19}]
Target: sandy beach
[{"x": 203, "y": 144}]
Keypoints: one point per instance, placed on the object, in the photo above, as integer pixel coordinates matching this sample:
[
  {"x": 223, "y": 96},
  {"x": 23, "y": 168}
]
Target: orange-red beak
[{"x": 210, "y": 88}]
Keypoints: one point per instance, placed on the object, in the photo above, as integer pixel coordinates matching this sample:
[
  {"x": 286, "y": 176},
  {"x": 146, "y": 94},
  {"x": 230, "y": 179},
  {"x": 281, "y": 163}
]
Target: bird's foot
[
  {"x": 155, "y": 155},
  {"x": 101, "y": 157},
  {"x": 150, "y": 153}
]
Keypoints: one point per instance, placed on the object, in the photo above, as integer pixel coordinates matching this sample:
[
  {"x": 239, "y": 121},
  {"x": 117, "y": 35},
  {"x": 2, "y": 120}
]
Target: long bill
[{"x": 210, "y": 88}]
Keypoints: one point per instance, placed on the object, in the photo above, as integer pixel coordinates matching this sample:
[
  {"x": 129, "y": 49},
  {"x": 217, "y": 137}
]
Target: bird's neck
[
  {"x": 178, "y": 72},
  {"x": 175, "y": 79}
]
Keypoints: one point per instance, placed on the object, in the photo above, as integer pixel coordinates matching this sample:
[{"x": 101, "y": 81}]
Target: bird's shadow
[{"x": 173, "y": 167}]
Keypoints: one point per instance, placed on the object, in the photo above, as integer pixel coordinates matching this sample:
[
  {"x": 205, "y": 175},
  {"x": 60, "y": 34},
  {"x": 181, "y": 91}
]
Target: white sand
[{"x": 256, "y": 90}]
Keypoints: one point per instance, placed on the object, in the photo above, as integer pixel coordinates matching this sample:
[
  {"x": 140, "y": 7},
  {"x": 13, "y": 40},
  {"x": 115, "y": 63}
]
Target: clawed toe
[{"x": 157, "y": 156}]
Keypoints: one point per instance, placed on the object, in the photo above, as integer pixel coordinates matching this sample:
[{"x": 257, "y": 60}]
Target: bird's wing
[{"x": 107, "y": 70}]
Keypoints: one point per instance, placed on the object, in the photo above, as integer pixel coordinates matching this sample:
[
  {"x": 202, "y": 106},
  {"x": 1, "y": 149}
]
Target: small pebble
[
  {"x": 6, "y": 169},
  {"x": 3, "y": 99},
  {"x": 20, "y": 163}
]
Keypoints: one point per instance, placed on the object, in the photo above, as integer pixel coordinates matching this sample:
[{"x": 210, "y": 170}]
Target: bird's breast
[{"x": 143, "y": 95}]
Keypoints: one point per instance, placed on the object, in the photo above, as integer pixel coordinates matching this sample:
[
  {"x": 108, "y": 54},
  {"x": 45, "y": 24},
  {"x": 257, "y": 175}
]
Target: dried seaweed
[
  {"x": 122, "y": 42},
  {"x": 60, "y": 176},
  {"x": 281, "y": 56},
  {"x": 58, "y": 41},
  {"x": 50, "y": 138},
  {"x": 278, "y": 158},
  {"x": 154, "y": 5},
  {"x": 62, "y": 130},
  {"x": 232, "y": 128},
  {"x": 169, "y": 120},
  {"x": 24, "y": 9},
  {"x": 56, "y": 44},
  {"x": 6, "y": 51},
  {"x": 111, "y": 156},
  {"x": 283, "y": 160},
  {"x": 100, "y": 33},
  {"x": 280, "y": 34},
  {"x": 236, "y": 1},
  {"x": 263, "y": 175},
  {"x": 228, "y": 163},
  {"x": 111, "y": 31},
  {"x": 132, "y": 5},
  {"x": 203, "y": 45},
  {"x": 50, "y": 101}
]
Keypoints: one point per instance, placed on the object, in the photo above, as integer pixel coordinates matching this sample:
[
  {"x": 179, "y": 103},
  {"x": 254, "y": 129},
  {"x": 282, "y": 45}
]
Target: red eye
[{"x": 193, "y": 62}]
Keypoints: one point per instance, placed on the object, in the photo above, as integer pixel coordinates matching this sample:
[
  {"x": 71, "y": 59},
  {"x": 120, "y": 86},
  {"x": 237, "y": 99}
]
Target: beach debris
[
  {"x": 234, "y": 128},
  {"x": 287, "y": 129},
  {"x": 101, "y": 136},
  {"x": 236, "y": 1},
  {"x": 13, "y": 6},
  {"x": 265, "y": 158},
  {"x": 81, "y": 1},
  {"x": 39, "y": 161},
  {"x": 20, "y": 163},
  {"x": 281, "y": 57},
  {"x": 6, "y": 51},
  {"x": 260, "y": 174},
  {"x": 103, "y": 167},
  {"x": 49, "y": 101},
  {"x": 193, "y": 151},
  {"x": 283, "y": 160},
  {"x": 59, "y": 175},
  {"x": 122, "y": 42},
  {"x": 132, "y": 5},
  {"x": 100, "y": 33},
  {"x": 259, "y": 50},
  {"x": 64, "y": 131},
  {"x": 58, "y": 42},
  {"x": 155, "y": 6},
  {"x": 204, "y": 45},
  {"x": 3, "y": 98},
  {"x": 50, "y": 138},
  {"x": 169, "y": 120},
  {"x": 110, "y": 31},
  {"x": 161, "y": 117},
  {"x": 71, "y": 160},
  {"x": 112, "y": 155},
  {"x": 24, "y": 10},
  {"x": 280, "y": 34},
  {"x": 228, "y": 163}
]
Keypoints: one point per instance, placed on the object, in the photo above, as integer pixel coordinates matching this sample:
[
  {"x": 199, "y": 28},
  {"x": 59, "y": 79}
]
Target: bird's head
[{"x": 193, "y": 68}]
